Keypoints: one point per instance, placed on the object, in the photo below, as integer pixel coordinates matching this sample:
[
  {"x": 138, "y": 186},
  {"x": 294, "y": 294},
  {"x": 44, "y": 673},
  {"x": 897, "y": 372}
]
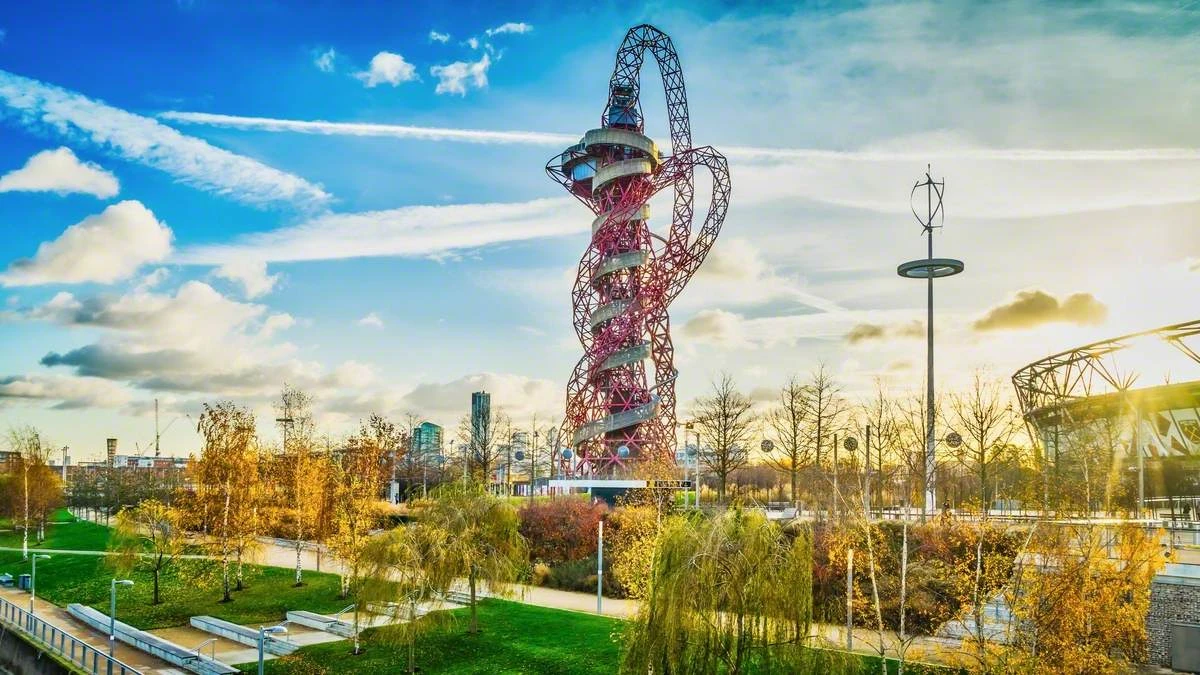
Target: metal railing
[{"x": 52, "y": 639}]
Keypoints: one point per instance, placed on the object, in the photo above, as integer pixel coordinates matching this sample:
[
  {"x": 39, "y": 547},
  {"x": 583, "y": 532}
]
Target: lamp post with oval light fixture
[
  {"x": 112, "y": 614},
  {"x": 929, "y": 268},
  {"x": 33, "y": 577},
  {"x": 264, "y": 631}
]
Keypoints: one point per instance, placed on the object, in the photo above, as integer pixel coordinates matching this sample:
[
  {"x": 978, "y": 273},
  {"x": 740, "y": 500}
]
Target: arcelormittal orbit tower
[{"x": 621, "y": 397}]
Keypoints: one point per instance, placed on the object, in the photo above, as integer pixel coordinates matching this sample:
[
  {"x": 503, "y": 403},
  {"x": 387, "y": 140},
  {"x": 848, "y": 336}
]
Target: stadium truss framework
[
  {"x": 1064, "y": 393},
  {"x": 620, "y": 404}
]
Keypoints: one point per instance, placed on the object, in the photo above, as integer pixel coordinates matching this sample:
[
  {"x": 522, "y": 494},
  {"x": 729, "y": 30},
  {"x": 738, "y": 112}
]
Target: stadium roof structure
[{"x": 1099, "y": 380}]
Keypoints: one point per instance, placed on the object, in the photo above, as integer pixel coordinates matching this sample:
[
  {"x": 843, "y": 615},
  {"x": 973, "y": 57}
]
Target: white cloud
[
  {"x": 195, "y": 314},
  {"x": 103, "y": 248},
  {"x": 412, "y": 231},
  {"x": 435, "y": 36},
  {"x": 733, "y": 330},
  {"x": 250, "y": 274},
  {"x": 516, "y": 28},
  {"x": 195, "y": 339},
  {"x": 65, "y": 392},
  {"x": 473, "y": 42},
  {"x": 1051, "y": 181},
  {"x": 519, "y": 396},
  {"x": 60, "y": 171},
  {"x": 371, "y": 320},
  {"x": 545, "y": 139},
  {"x": 944, "y": 147},
  {"x": 325, "y": 60},
  {"x": 717, "y": 327},
  {"x": 153, "y": 279},
  {"x": 735, "y": 273},
  {"x": 457, "y": 77},
  {"x": 276, "y": 323},
  {"x": 387, "y": 68},
  {"x": 52, "y": 110},
  {"x": 351, "y": 374}
]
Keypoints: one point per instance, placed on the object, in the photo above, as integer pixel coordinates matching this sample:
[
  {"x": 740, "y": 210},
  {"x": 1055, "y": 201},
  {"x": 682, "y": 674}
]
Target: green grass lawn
[
  {"x": 78, "y": 535},
  {"x": 515, "y": 638},
  {"x": 64, "y": 579},
  {"x": 60, "y": 515}
]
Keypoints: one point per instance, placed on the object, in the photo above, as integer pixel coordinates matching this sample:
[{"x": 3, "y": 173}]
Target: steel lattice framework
[
  {"x": 619, "y": 408},
  {"x": 1089, "y": 370},
  {"x": 1070, "y": 388}
]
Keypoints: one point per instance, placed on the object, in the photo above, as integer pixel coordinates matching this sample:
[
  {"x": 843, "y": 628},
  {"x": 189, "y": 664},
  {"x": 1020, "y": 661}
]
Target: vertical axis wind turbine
[{"x": 929, "y": 268}]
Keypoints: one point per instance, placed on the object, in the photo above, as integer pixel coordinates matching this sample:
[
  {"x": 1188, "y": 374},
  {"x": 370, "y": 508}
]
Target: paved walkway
[
  {"x": 32, "y": 549},
  {"x": 233, "y": 653},
  {"x": 58, "y": 617}
]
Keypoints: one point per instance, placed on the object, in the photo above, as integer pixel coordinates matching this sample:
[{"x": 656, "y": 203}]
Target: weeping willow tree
[
  {"x": 406, "y": 572},
  {"x": 728, "y": 595},
  {"x": 482, "y": 542}
]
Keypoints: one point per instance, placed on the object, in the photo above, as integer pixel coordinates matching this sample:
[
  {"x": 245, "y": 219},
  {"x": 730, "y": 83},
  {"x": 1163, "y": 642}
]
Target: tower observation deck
[{"x": 620, "y": 404}]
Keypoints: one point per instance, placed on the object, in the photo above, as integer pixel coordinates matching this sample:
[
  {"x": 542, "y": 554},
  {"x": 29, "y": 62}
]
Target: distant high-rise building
[
  {"x": 481, "y": 418},
  {"x": 426, "y": 439},
  {"x": 111, "y": 444}
]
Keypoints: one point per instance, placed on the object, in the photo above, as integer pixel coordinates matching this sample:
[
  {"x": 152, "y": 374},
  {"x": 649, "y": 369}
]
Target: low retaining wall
[
  {"x": 19, "y": 655},
  {"x": 151, "y": 644},
  {"x": 1174, "y": 599}
]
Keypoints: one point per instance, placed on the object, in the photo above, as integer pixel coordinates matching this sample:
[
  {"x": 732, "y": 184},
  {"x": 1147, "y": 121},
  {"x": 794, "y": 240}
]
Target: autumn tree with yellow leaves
[
  {"x": 1079, "y": 598},
  {"x": 148, "y": 537},
  {"x": 303, "y": 471},
  {"x": 357, "y": 478},
  {"x": 226, "y": 485}
]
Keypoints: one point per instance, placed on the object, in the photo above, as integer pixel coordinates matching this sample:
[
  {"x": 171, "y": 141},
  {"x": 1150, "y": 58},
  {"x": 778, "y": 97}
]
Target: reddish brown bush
[{"x": 561, "y": 530}]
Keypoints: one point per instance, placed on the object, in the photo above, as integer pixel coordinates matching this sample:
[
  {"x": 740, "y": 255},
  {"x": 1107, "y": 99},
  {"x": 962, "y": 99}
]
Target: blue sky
[{"x": 212, "y": 222}]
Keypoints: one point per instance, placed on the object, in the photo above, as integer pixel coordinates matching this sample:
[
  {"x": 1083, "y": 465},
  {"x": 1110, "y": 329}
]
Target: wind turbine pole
[
  {"x": 156, "y": 448},
  {"x": 929, "y": 268}
]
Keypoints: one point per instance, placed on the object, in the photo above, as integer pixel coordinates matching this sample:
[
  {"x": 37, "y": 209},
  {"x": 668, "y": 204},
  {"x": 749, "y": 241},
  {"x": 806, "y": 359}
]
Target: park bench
[
  {"x": 151, "y": 644},
  {"x": 242, "y": 635}
]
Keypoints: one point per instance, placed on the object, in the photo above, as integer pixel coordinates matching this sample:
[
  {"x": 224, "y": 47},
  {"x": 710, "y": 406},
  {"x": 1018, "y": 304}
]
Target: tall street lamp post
[
  {"x": 112, "y": 614},
  {"x": 33, "y": 577},
  {"x": 929, "y": 268}
]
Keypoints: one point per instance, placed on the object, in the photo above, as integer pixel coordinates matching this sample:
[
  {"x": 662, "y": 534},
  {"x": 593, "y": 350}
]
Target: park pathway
[{"x": 58, "y": 617}]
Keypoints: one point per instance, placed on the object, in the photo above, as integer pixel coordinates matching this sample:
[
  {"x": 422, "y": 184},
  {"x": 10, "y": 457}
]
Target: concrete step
[
  {"x": 322, "y": 622},
  {"x": 242, "y": 635}
]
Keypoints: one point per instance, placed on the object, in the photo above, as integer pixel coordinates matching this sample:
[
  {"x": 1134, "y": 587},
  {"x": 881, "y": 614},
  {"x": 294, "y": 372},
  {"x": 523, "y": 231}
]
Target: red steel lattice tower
[{"x": 621, "y": 396}]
